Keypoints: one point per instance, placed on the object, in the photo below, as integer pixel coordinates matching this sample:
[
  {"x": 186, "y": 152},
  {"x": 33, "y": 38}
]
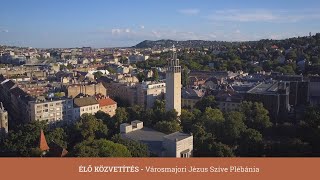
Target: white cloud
[
  {"x": 142, "y": 27},
  {"x": 189, "y": 11},
  {"x": 263, "y": 15},
  {"x": 118, "y": 31}
]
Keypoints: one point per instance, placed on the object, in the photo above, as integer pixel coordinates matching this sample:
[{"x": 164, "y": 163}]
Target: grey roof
[
  {"x": 85, "y": 101},
  {"x": 177, "y": 136},
  {"x": 136, "y": 121},
  {"x": 192, "y": 93},
  {"x": 8, "y": 84},
  {"x": 265, "y": 88},
  {"x": 153, "y": 139}
]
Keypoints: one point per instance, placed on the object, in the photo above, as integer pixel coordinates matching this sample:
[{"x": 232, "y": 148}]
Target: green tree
[
  {"x": 233, "y": 127},
  {"x": 137, "y": 149},
  {"x": 159, "y": 111},
  {"x": 187, "y": 119},
  {"x": 167, "y": 127},
  {"x": 256, "y": 116},
  {"x": 213, "y": 121},
  {"x": 251, "y": 143},
  {"x": 155, "y": 75},
  {"x": 23, "y": 140},
  {"x": 185, "y": 76},
  {"x": 171, "y": 115},
  {"x": 57, "y": 135},
  {"x": 205, "y": 102},
  {"x": 211, "y": 148},
  {"x": 100, "y": 148},
  {"x": 97, "y": 74},
  {"x": 148, "y": 118},
  {"x": 312, "y": 117},
  {"x": 135, "y": 112},
  {"x": 141, "y": 76},
  {"x": 120, "y": 117},
  {"x": 89, "y": 128},
  {"x": 69, "y": 66}
]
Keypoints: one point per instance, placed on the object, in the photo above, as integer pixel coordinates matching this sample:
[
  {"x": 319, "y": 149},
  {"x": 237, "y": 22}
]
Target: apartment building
[
  {"x": 107, "y": 105},
  {"x": 149, "y": 92},
  {"x": 84, "y": 105},
  {"x": 51, "y": 110}
]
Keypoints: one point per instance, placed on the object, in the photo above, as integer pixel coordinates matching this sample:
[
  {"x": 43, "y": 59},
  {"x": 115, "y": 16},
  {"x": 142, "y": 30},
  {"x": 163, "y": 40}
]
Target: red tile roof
[
  {"x": 43, "y": 142},
  {"x": 106, "y": 102}
]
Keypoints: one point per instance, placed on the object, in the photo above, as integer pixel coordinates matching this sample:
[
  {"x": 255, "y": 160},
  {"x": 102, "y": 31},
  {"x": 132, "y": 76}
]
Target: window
[{"x": 46, "y": 105}]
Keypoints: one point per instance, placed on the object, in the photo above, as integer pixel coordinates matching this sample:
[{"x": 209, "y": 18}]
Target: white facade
[
  {"x": 178, "y": 145},
  {"x": 149, "y": 92},
  {"x": 173, "y": 85},
  {"x": 135, "y": 125},
  {"x": 91, "y": 109},
  {"x": 51, "y": 111}
]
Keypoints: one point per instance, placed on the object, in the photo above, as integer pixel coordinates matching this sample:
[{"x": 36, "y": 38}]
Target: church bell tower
[{"x": 173, "y": 84}]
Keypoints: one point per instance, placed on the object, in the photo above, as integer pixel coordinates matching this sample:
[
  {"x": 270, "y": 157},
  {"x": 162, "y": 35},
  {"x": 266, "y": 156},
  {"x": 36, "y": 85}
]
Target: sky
[{"x": 123, "y": 23}]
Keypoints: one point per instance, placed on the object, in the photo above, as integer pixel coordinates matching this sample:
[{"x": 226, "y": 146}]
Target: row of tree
[{"x": 246, "y": 132}]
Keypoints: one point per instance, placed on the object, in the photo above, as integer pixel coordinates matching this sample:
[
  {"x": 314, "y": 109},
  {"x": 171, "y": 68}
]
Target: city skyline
[{"x": 62, "y": 24}]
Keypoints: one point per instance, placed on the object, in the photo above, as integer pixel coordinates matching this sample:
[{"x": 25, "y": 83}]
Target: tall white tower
[{"x": 173, "y": 84}]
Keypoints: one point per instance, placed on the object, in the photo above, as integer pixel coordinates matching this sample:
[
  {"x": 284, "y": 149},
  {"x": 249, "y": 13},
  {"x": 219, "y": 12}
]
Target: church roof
[{"x": 43, "y": 142}]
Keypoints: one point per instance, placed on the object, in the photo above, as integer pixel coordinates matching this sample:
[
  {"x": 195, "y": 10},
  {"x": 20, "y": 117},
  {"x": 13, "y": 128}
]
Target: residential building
[
  {"x": 127, "y": 92},
  {"x": 87, "y": 89},
  {"x": 137, "y": 58},
  {"x": 84, "y": 105},
  {"x": 148, "y": 92},
  {"x": 107, "y": 105},
  {"x": 190, "y": 97},
  {"x": 51, "y": 110},
  {"x": 229, "y": 102}
]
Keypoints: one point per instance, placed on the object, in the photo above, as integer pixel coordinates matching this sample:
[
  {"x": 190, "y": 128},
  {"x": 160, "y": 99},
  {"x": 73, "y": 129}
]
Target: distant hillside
[
  {"x": 169, "y": 43},
  {"x": 201, "y": 43}
]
